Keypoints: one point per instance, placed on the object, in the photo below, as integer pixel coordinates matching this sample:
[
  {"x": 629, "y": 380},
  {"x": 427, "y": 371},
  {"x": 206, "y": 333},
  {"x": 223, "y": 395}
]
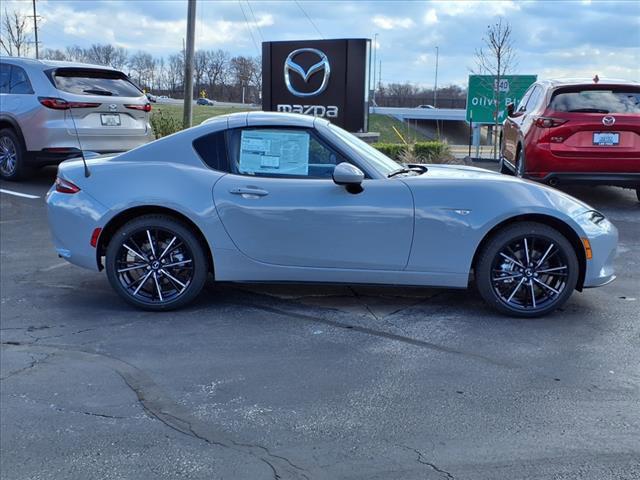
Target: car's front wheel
[
  {"x": 520, "y": 163},
  {"x": 156, "y": 262},
  {"x": 527, "y": 270}
]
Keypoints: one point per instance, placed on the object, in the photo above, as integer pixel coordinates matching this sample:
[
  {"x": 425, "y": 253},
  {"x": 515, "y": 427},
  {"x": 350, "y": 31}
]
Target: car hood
[{"x": 478, "y": 180}]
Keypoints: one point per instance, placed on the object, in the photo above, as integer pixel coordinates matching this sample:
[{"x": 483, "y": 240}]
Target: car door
[
  {"x": 512, "y": 128},
  {"x": 280, "y": 206}
]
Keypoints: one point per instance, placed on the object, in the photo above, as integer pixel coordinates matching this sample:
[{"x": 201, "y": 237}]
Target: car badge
[
  {"x": 291, "y": 66},
  {"x": 113, "y": 107},
  {"x": 608, "y": 121}
]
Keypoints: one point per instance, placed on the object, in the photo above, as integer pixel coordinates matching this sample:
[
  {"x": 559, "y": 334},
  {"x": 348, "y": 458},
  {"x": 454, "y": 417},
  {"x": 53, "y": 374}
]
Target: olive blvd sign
[
  {"x": 324, "y": 78},
  {"x": 481, "y": 106}
]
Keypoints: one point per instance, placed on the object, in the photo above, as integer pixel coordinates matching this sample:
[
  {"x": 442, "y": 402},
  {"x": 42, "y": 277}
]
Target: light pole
[
  {"x": 435, "y": 85},
  {"x": 188, "y": 64},
  {"x": 375, "y": 50}
]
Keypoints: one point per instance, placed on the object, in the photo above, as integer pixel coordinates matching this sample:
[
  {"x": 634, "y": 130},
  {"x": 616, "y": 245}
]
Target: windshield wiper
[
  {"x": 588, "y": 110},
  {"x": 399, "y": 171},
  {"x": 96, "y": 91}
]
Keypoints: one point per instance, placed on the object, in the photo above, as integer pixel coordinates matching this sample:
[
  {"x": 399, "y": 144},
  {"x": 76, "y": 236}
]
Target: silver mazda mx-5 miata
[{"x": 273, "y": 197}]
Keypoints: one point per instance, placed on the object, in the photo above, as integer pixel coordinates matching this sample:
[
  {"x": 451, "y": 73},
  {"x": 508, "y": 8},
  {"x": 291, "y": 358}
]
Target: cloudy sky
[{"x": 552, "y": 38}]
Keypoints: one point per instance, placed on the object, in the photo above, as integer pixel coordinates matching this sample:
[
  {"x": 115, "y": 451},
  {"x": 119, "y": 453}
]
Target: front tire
[
  {"x": 527, "y": 270},
  {"x": 12, "y": 156},
  {"x": 520, "y": 163},
  {"x": 156, "y": 263}
]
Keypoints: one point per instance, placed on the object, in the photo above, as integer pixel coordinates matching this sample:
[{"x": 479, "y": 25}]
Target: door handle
[{"x": 249, "y": 192}]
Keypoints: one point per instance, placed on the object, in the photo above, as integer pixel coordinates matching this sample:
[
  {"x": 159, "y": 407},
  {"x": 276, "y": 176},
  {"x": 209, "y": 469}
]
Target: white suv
[{"x": 50, "y": 111}]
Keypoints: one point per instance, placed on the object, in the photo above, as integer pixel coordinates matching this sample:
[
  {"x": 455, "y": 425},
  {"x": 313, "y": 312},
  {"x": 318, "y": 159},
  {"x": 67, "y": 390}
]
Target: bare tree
[
  {"x": 53, "y": 54},
  {"x": 107, "y": 54},
  {"x": 175, "y": 72},
  {"x": 74, "y": 53},
  {"x": 199, "y": 68},
  {"x": 496, "y": 58},
  {"x": 216, "y": 69},
  {"x": 14, "y": 33}
]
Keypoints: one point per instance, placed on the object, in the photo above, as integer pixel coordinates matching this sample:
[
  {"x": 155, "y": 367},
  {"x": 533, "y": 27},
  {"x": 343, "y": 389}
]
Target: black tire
[
  {"x": 558, "y": 270},
  {"x": 504, "y": 169},
  {"x": 520, "y": 163},
  {"x": 178, "y": 276},
  {"x": 12, "y": 157},
  {"x": 638, "y": 193}
]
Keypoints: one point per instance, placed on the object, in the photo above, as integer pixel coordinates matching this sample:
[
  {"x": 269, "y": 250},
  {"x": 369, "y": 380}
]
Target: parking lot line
[{"x": 18, "y": 194}]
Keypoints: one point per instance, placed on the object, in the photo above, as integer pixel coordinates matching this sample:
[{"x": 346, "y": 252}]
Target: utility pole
[
  {"x": 188, "y": 64},
  {"x": 435, "y": 85},
  {"x": 35, "y": 27},
  {"x": 375, "y": 50}
]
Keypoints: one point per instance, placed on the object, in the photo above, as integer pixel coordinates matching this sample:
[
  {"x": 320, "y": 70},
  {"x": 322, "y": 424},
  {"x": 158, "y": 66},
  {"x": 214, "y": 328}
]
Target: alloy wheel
[
  {"x": 529, "y": 273},
  {"x": 154, "y": 265},
  {"x": 8, "y": 156}
]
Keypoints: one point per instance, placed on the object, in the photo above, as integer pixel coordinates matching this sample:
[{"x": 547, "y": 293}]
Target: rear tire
[
  {"x": 503, "y": 167},
  {"x": 156, "y": 263},
  {"x": 638, "y": 193},
  {"x": 12, "y": 156},
  {"x": 516, "y": 274}
]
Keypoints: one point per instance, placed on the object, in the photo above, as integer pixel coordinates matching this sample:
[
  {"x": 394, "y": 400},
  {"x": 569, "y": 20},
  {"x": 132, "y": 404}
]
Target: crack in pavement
[
  {"x": 420, "y": 459},
  {"x": 159, "y": 406},
  {"x": 34, "y": 361},
  {"x": 377, "y": 333}
]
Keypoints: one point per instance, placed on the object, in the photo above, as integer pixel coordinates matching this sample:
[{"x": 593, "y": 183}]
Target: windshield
[
  {"x": 94, "y": 82},
  {"x": 375, "y": 158}
]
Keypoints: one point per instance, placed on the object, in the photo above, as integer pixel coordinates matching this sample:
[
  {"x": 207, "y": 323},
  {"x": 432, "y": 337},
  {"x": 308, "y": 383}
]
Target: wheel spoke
[
  {"x": 547, "y": 270},
  {"x": 515, "y": 290},
  {"x": 142, "y": 256},
  {"x": 502, "y": 279},
  {"x": 526, "y": 251},
  {"x": 546, "y": 286},
  {"x": 533, "y": 295},
  {"x": 515, "y": 262},
  {"x": 544, "y": 256},
  {"x": 155, "y": 279},
  {"x": 134, "y": 267},
  {"x": 153, "y": 250},
  {"x": 144, "y": 280},
  {"x": 173, "y": 279},
  {"x": 167, "y": 248},
  {"x": 177, "y": 264}
]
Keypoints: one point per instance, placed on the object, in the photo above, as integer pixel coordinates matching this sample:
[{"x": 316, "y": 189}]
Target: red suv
[{"x": 575, "y": 132}]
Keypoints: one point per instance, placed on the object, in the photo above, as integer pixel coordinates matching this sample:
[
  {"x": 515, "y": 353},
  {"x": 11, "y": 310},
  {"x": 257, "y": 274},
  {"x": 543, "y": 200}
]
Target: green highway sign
[{"x": 480, "y": 95}]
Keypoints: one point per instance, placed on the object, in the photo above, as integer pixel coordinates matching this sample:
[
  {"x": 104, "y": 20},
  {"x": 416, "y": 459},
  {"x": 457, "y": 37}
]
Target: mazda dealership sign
[{"x": 324, "y": 78}]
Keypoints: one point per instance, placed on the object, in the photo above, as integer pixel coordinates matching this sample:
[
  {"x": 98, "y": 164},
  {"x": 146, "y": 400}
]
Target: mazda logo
[
  {"x": 113, "y": 107},
  {"x": 608, "y": 121},
  {"x": 291, "y": 66}
]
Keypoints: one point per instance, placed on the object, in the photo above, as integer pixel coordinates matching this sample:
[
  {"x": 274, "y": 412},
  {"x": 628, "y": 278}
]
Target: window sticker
[{"x": 274, "y": 152}]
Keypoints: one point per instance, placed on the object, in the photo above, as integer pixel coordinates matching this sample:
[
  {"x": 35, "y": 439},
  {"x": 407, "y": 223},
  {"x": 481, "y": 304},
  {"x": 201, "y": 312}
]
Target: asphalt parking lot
[{"x": 298, "y": 382}]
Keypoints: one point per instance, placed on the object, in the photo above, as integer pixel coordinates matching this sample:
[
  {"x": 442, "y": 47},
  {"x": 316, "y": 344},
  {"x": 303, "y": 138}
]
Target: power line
[
  {"x": 255, "y": 21},
  {"x": 249, "y": 26},
  {"x": 309, "y": 18}
]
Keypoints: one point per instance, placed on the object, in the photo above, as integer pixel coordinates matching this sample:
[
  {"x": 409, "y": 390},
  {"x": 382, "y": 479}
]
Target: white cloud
[
  {"x": 431, "y": 17},
  {"x": 391, "y": 23}
]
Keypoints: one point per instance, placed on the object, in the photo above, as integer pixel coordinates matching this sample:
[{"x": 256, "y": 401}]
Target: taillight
[
  {"x": 549, "y": 122},
  {"x": 62, "y": 104},
  {"x": 65, "y": 186},
  {"x": 145, "y": 108}
]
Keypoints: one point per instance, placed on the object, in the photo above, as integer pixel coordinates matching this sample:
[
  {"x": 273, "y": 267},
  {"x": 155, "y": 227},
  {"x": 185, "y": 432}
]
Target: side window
[
  {"x": 19, "y": 81},
  {"x": 534, "y": 99},
  {"x": 212, "y": 150},
  {"x": 523, "y": 103},
  {"x": 280, "y": 152},
  {"x": 5, "y": 77}
]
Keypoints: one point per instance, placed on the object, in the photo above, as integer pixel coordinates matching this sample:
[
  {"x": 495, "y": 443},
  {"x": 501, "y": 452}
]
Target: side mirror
[
  {"x": 347, "y": 174},
  {"x": 510, "y": 109}
]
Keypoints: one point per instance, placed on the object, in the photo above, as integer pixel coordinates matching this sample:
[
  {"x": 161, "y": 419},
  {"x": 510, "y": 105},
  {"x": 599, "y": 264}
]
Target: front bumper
[{"x": 603, "y": 238}]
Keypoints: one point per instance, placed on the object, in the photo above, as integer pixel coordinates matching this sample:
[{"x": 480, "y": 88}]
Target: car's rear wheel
[
  {"x": 504, "y": 169},
  {"x": 638, "y": 193},
  {"x": 12, "y": 156},
  {"x": 527, "y": 270},
  {"x": 156, "y": 262}
]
